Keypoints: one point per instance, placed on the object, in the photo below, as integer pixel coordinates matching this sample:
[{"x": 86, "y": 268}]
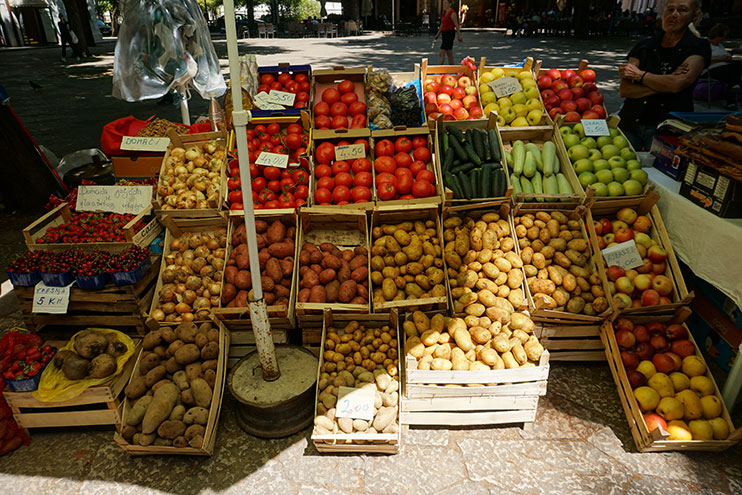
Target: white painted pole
[
  {"x": 184, "y": 113},
  {"x": 240, "y": 118}
]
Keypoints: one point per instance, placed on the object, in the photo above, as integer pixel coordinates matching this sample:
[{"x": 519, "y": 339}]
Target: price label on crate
[
  {"x": 262, "y": 100},
  {"x": 623, "y": 254},
  {"x": 595, "y": 127},
  {"x": 355, "y": 403},
  {"x": 116, "y": 199},
  {"x": 350, "y": 152},
  {"x": 52, "y": 299},
  {"x": 505, "y": 86},
  {"x": 135, "y": 143},
  {"x": 272, "y": 159},
  {"x": 281, "y": 98}
]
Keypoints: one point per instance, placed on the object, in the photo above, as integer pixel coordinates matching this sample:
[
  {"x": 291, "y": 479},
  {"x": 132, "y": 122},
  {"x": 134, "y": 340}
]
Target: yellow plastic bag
[{"x": 55, "y": 387}]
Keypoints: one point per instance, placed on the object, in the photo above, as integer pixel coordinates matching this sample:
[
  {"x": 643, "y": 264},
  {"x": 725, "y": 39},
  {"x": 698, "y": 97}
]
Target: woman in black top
[
  {"x": 660, "y": 74},
  {"x": 66, "y": 38}
]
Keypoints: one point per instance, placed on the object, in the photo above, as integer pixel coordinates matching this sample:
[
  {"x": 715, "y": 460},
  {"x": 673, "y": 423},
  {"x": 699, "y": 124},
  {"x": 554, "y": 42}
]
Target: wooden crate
[
  {"x": 311, "y": 338},
  {"x": 656, "y": 440},
  {"x": 400, "y": 79},
  {"x": 571, "y": 343},
  {"x": 211, "y": 425},
  {"x": 95, "y": 406},
  {"x": 379, "y": 218},
  {"x": 378, "y": 443},
  {"x": 467, "y": 204},
  {"x": 114, "y": 306},
  {"x": 242, "y": 343},
  {"x": 646, "y": 206},
  {"x": 63, "y": 213},
  {"x": 323, "y": 79},
  {"x": 430, "y": 71},
  {"x": 553, "y": 316},
  {"x": 203, "y": 225},
  {"x": 538, "y": 136},
  {"x": 345, "y": 228},
  {"x": 540, "y": 71},
  {"x": 275, "y": 70}
]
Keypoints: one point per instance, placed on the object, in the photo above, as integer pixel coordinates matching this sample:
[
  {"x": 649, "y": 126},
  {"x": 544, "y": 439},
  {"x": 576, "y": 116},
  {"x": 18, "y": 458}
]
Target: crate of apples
[
  {"x": 573, "y": 94},
  {"x": 404, "y": 170},
  {"x": 452, "y": 95},
  {"x": 340, "y": 107},
  {"x": 342, "y": 182},
  {"x": 523, "y": 108}
]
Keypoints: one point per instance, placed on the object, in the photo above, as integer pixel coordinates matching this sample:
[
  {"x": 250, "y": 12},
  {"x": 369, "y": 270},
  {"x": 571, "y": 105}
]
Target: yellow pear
[
  {"x": 703, "y": 385},
  {"x": 711, "y": 406},
  {"x": 647, "y": 369},
  {"x": 701, "y": 429},
  {"x": 691, "y": 403},
  {"x": 519, "y": 122},
  {"x": 720, "y": 427},
  {"x": 678, "y": 431},
  {"x": 647, "y": 397},
  {"x": 662, "y": 384},
  {"x": 693, "y": 366},
  {"x": 497, "y": 73},
  {"x": 486, "y": 77},
  {"x": 670, "y": 408},
  {"x": 525, "y": 74},
  {"x": 679, "y": 381}
]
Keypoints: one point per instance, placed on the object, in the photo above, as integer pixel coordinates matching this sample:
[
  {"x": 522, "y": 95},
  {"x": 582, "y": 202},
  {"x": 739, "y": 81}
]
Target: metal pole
[
  {"x": 184, "y": 113},
  {"x": 240, "y": 118}
]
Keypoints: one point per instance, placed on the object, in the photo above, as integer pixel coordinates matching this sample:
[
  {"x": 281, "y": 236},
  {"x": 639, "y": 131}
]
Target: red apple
[
  {"x": 578, "y": 93},
  {"x": 657, "y": 254},
  {"x": 683, "y": 348},
  {"x": 599, "y": 110},
  {"x": 575, "y": 82},
  {"x": 676, "y": 332},
  {"x": 642, "y": 224},
  {"x": 590, "y": 87},
  {"x": 583, "y": 104},
  {"x": 445, "y": 109},
  {"x": 646, "y": 267},
  {"x": 677, "y": 361},
  {"x": 572, "y": 117},
  {"x": 624, "y": 234},
  {"x": 630, "y": 359},
  {"x": 547, "y": 93},
  {"x": 607, "y": 225},
  {"x": 588, "y": 75},
  {"x": 464, "y": 81},
  {"x": 625, "y": 339},
  {"x": 645, "y": 351},
  {"x": 568, "y": 106},
  {"x": 432, "y": 86},
  {"x": 656, "y": 328},
  {"x": 448, "y": 116},
  {"x": 552, "y": 101},
  {"x": 658, "y": 268},
  {"x": 662, "y": 285},
  {"x": 447, "y": 89},
  {"x": 458, "y": 93},
  {"x": 430, "y": 97},
  {"x": 449, "y": 80},
  {"x": 590, "y": 115},
  {"x": 636, "y": 379},
  {"x": 461, "y": 114},
  {"x": 567, "y": 73},
  {"x": 663, "y": 363},
  {"x": 654, "y": 421},
  {"x": 430, "y": 108},
  {"x": 564, "y": 94},
  {"x": 557, "y": 86},
  {"x": 475, "y": 111},
  {"x": 665, "y": 300},
  {"x": 596, "y": 98},
  {"x": 598, "y": 227},
  {"x": 469, "y": 101},
  {"x": 658, "y": 343},
  {"x": 615, "y": 272},
  {"x": 623, "y": 324},
  {"x": 650, "y": 297},
  {"x": 544, "y": 82},
  {"x": 601, "y": 243},
  {"x": 556, "y": 111},
  {"x": 641, "y": 334},
  {"x": 443, "y": 98},
  {"x": 456, "y": 104},
  {"x": 554, "y": 74}
]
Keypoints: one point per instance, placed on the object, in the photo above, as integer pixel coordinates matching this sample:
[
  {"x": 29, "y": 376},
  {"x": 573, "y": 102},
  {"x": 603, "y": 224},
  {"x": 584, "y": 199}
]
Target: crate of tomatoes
[
  {"x": 343, "y": 173},
  {"x": 295, "y": 79}
]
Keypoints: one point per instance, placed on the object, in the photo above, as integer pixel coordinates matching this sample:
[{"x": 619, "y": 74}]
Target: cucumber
[
  {"x": 519, "y": 157},
  {"x": 494, "y": 165},
  {"x": 465, "y": 185},
  {"x": 564, "y": 187},
  {"x": 469, "y": 138},
  {"x": 550, "y": 185},
  {"x": 478, "y": 145},
  {"x": 458, "y": 148},
  {"x": 529, "y": 167},
  {"x": 465, "y": 167},
  {"x": 445, "y": 142},
  {"x": 494, "y": 145},
  {"x": 447, "y": 159},
  {"x": 538, "y": 187},
  {"x": 509, "y": 159},
  {"x": 487, "y": 149},
  {"x": 548, "y": 155},
  {"x": 475, "y": 180},
  {"x": 515, "y": 182},
  {"x": 485, "y": 187},
  {"x": 473, "y": 157},
  {"x": 455, "y": 186},
  {"x": 536, "y": 155},
  {"x": 526, "y": 185},
  {"x": 456, "y": 134},
  {"x": 500, "y": 185}
]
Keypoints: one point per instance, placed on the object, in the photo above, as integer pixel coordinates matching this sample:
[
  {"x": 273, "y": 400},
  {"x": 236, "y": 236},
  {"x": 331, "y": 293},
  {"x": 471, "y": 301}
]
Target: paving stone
[
  {"x": 417, "y": 435},
  {"x": 650, "y": 485},
  {"x": 318, "y": 490},
  {"x": 560, "y": 419},
  {"x": 468, "y": 487}
]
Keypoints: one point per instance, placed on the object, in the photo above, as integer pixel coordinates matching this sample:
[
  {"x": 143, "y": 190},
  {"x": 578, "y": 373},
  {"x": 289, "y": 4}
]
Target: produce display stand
[
  {"x": 112, "y": 306},
  {"x": 656, "y": 440},
  {"x": 372, "y": 443},
  {"x": 99, "y": 405},
  {"x": 436, "y": 70},
  {"x": 212, "y": 423}
]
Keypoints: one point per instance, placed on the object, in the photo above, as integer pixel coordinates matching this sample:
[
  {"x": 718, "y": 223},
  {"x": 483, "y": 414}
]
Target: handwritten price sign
[
  {"x": 505, "y": 86},
  {"x": 350, "y": 152},
  {"x": 263, "y": 101},
  {"x": 272, "y": 159},
  {"x": 595, "y": 127},
  {"x": 51, "y": 299},
  {"x": 355, "y": 403},
  {"x": 281, "y": 98},
  {"x": 134, "y": 143},
  {"x": 117, "y": 199},
  {"x": 623, "y": 254}
]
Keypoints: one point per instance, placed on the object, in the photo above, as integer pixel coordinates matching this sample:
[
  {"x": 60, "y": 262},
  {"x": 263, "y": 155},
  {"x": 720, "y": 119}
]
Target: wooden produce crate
[
  {"x": 275, "y": 70},
  {"x": 379, "y": 218},
  {"x": 112, "y": 306},
  {"x": 95, "y": 406},
  {"x": 311, "y": 338},
  {"x": 656, "y": 440},
  {"x": 553, "y": 316},
  {"x": 184, "y": 217},
  {"x": 539, "y": 71},
  {"x": 435, "y": 397},
  {"x": 572, "y": 342},
  {"x": 429, "y": 71},
  {"x": 203, "y": 225},
  {"x": 646, "y": 206},
  {"x": 63, "y": 213},
  {"x": 467, "y": 204},
  {"x": 538, "y": 136},
  {"x": 404, "y": 79},
  {"x": 393, "y": 134},
  {"x": 216, "y": 405},
  {"x": 376, "y": 443},
  {"x": 345, "y": 228},
  {"x": 323, "y": 79}
]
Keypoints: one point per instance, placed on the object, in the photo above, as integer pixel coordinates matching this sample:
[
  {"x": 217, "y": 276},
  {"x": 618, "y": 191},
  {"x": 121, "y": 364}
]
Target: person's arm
[
  {"x": 666, "y": 83},
  {"x": 455, "y": 18},
  {"x": 627, "y": 88},
  {"x": 723, "y": 58}
]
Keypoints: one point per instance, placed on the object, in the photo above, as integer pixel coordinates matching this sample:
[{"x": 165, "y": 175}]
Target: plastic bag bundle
[{"x": 165, "y": 44}]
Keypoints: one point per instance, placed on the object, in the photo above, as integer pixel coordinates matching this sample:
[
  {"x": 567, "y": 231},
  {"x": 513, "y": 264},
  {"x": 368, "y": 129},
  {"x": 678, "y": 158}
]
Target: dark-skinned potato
[
  {"x": 210, "y": 351},
  {"x": 172, "y": 366},
  {"x": 115, "y": 347},
  {"x": 174, "y": 346},
  {"x": 168, "y": 335},
  {"x": 193, "y": 371},
  {"x": 75, "y": 367},
  {"x": 201, "y": 340},
  {"x": 187, "y": 354},
  {"x": 209, "y": 364},
  {"x": 210, "y": 377},
  {"x": 149, "y": 360},
  {"x": 151, "y": 340},
  {"x": 186, "y": 331},
  {"x": 104, "y": 365},
  {"x": 137, "y": 388},
  {"x": 60, "y": 356},
  {"x": 155, "y": 375},
  {"x": 89, "y": 344}
]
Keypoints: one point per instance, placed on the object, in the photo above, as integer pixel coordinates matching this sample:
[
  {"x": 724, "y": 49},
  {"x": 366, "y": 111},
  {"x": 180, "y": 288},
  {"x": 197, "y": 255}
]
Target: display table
[{"x": 709, "y": 245}]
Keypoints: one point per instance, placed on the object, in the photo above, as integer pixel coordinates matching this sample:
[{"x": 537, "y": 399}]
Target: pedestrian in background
[
  {"x": 448, "y": 29},
  {"x": 68, "y": 37}
]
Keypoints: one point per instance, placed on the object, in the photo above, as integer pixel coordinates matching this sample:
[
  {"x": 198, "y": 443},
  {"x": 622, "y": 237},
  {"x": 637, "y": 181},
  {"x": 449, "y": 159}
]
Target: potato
[
  {"x": 150, "y": 341},
  {"x": 135, "y": 415},
  {"x": 171, "y": 429},
  {"x": 148, "y": 361},
  {"x": 194, "y": 431},
  {"x": 441, "y": 364},
  {"x": 193, "y": 371},
  {"x": 155, "y": 375},
  {"x": 317, "y": 294},
  {"x": 159, "y": 409},
  {"x": 136, "y": 388},
  {"x": 186, "y": 332},
  {"x": 187, "y": 353},
  {"x": 520, "y": 321},
  {"x": 539, "y": 286},
  {"x": 515, "y": 279},
  {"x": 210, "y": 351},
  {"x": 347, "y": 292},
  {"x": 201, "y": 392}
]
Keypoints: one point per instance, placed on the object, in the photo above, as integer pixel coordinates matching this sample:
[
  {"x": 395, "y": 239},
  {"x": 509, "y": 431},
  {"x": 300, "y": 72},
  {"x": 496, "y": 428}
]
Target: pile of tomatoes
[
  {"x": 340, "y": 182},
  {"x": 402, "y": 169},
  {"x": 340, "y": 108},
  {"x": 271, "y": 138},
  {"x": 298, "y": 84}
]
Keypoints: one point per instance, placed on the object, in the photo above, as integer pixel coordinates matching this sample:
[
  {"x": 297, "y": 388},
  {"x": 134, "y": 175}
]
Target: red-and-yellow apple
[
  {"x": 657, "y": 254},
  {"x": 641, "y": 334},
  {"x": 625, "y": 339},
  {"x": 654, "y": 421},
  {"x": 662, "y": 285},
  {"x": 624, "y": 234},
  {"x": 663, "y": 363},
  {"x": 650, "y": 297},
  {"x": 642, "y": 224},
  {"x": 627, "y": 215},
  {"x": 615, "y": 272},
  {"x": 676, "y": 331},
  {"x": 683, "y": 347},
  {"x": 658, "y": 343},
  {"x": 642, "y": 282}
]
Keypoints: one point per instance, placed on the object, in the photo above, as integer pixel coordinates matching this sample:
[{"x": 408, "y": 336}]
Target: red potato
[
  {"x": 273, "y": 270},
  {"x": 360, "y": 251},
  {"x": 347, "y": 255},
  {"x": 243, "y": 262},
  {"x": 303, "y": 270},
  {"x": 242, "y": 280},
  {"x": 344, "y": 272},
  {"x": 315, "y": 257},
  {"x": 304, "y": 258},
  {"x": 270, "y": 298},
  {"x": 348, "y": 290},
  {"x": 303, "y": 295},
  {"x": 281, "y": 291},
  {"x": 330, "y": 261},
  {"x": 281, "y": 249},
  {"x": 316, "y": 269},
  {"x": 317, "y": 294},
  {"x": 310, "y": 279},
  {"x": 230, "y": 273},
  {"x": 332, "y": 289},
  {"x": 358, "y": 261},
  {"x": 327, "y": 247},
  {"x": 267, "y": 284},
  {"x": 276, "y": 232},
  {"x": 327, "y": 275},
  {"x": 359, "y": 300},
  {"x": 287, "y": 266},
  {"x": 260, "y": 226},
  {"x": 359, "y": 274},
  {"x": 229, "y": 292}
]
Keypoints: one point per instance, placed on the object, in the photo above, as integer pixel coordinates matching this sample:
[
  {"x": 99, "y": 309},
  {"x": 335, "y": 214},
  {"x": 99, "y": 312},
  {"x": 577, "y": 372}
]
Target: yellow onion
[
  {"x": 189, "y": 296},
  {"x": 202, "y": 314},
  {"x": 180, "y": 288},
  {"x": 157, "y": 315},
  {"x": 215, "y": 288},
  {"x": 212, "y": 244},
  {"x": 198, "y": 263},
  {"x": 215, "y": 301},
  {"x": 182, "y": 308},
  {"x": 188, "y": 316},
  {"x": 218, "y": 263},
  {"x": 220, "y": 253},
  {"x": 201, "y": 252},
  {"x": 168, "y": 308},
  {"x": 201, "y": 303},
  {"x": 193, "y": 282},
  {"x": 171, "y": 318},
  {"x": 192, "y": 153},
  {"x": 207, "y": 271}
]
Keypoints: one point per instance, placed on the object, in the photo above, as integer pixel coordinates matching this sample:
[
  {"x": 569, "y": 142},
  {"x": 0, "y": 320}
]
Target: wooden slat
[
  {"x": 487, "y": 403},
  {"x": 68, "y": 418},
  {"x": 517, "y": 375},
  {"x": 528, "y": 389},
  {"x": 469, "y": 418}
]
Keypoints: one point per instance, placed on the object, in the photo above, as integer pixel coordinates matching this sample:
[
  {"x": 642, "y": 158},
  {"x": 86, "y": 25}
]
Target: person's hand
[
  {"x": 630, "y": 72},
  {"x": 682, "y": 69},
  {"x": 435, "y": 37},
  {"x": 461, "y": 40}
]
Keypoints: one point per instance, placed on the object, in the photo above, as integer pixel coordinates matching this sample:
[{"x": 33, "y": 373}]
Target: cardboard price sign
[
  {"x": 623, "y": 254},
  {"x": 134, "y": 143},
  {"x": 281, "y": 98},
  {"x": 595, "y": 127},
  {"x": 350, "y": 152},
  {"x": 51, "y": 299},
  {"x": 272, "y": 159},
  {"x": 355, "y": 403},
  {"x": 116, "y": 199},
  {"x": 263, "y": 101},
  {"x": 505, "y": 86}
]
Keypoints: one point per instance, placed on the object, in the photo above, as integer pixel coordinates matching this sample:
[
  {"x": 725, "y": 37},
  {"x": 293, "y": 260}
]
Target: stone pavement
[{"x": 580, "y": 442}]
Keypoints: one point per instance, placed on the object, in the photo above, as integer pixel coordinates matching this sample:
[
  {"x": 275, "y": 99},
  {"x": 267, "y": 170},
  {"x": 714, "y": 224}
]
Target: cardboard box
[
  {"x": 708, "y": 338},
  {"x": 666, "y": 161},
  {"x": 712, "y": 190},
  {"x": 136, "y": 167},
  {"x": 720, "y": 301}
]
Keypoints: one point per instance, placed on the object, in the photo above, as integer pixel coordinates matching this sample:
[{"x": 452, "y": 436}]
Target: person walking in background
[
  {"x": 722, "y": 66},
  {"x": 448, "y": 29},
  {"x": 65, "y": 33}
]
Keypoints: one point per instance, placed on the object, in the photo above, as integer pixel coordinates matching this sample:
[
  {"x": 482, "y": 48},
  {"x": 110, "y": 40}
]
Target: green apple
[
  {"x": 633, "y": 187},
  {"x": 583, "y": 165},
  {"x": 534, "y": 116},
  {"x": 571, "y": 140},
  {"x": 643, "y": 239},
  {"x": 520, "y": 110},
  {"x": 600, "y": 189},
  {"x": 595, "y": 154},
  {"x": 565, "y": 130},
  {"x": 616, "y": 162},
  {"x": 519, "y": 122},
  {"x": 532, "y": 93},
  {"x": 633, "y": 165},
  {"x": 518, "y": 97},
  {"x": 577, "y": 152},
  {"x": 640, "y": 176},
  {"x": 620, "y": 141},
  {"x": 604, "y": 176},
  {"x": 578, "y": 129},
  {"x": 615, "y": 189},
  {"x": 508, "y": 114},
  {"x": 603, "y": 140},
  {"x": 628, "y": 154},
  {"x": 587, "y": 178},
  {"x": 534, "y": 103},
  {"x": 620, "y": 174},
  {"x": 610, "y": 150},
  {"x": 589, "y": 142},
  {"x": 614, "y": 132},
  {"x": 601, "y": 165}
]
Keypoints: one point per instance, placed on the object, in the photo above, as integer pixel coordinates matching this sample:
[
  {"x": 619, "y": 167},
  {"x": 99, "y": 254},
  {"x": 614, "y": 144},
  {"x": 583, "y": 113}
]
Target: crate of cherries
[{"x": 28, "y": 364}]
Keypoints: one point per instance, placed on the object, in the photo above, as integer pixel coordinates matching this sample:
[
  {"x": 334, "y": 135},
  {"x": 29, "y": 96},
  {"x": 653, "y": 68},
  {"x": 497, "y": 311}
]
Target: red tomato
[
  {"x": 273, "y": 129},
  {"x": 322, "y": 196},
  {"x": 361, "y": 165},
  {"x": 257, "y": 206},
  {"x": 300, "y": 203},
  {"x": 385, "y": 147},
  {"x": 301, "y": 176},
  {"x": 303, "y": 97},
  {"x": 385, "y": 177},
  {"x": 421, "y": 189},
  {"x": 267, "y": 195},
  {"x": 322, "y": 171},
  {"x": 254, "y": 170},
  {"x": 284, "y": 78},
  {"x": 301, "y": 77},
  {"x": 345, "y": 87},
  {"x": 339, "y": 122},
  {"x": 287, "y": 184},
  {"x": 407, "y": 196},
  {"x": 416, "y": 167},
  {"x": 349, "y": 98},
  {"x": 272, "y": 205},
  {"x": 403, "y": 144},
  {"x": 305, "y": 86},
  {"x": 293, "y": 141},
  {"x": 274, "y": 185},
  {"x": 325, "y": 153},
  {"x": 339, "y": 108},
  {"x": 286, "y": 201},
  {"x": 342, "y": 143},
  {"x": 403, "y": 171},
  {"x": 426, "y": 175},
  {"x": 340, "y": 166},
  {"x": 238, "y": 206},
  {"x": 322, "y": 122},
  {"x": 404, "y": 183},
  {"x": 357, "y": 108},
  {"x": 360, "y": 194},
  {"x": 263, "y": 88},
  {"x": 419, "y": 141},
  {"x": 344, "y": 179},
  {"x": 326, "y": 182},
  {"x": 422, "y": 154},
  {"x": 302, "y": 192},
  {"x": 322, "y": 108},
  {"x": 271, "y": 173},
  {"x": 234, "y": 183},
  {"x": 267, "y": 79},
  {"x": 275, "y": 139},
  {"x": 385, "y": 164},
  {"x": 330, "y": 96},
  {"x": 386, "y": 191},
  {"x": 234, "y": 172},
  {"x": 364, "y": 142},
  {"x": 260, "y": 129},
  {"x": 293, "y": 87},
  {"x": 363, "y": 179},
  {"x": 277, "y": 86},
  {"x": 258, "y": 184},
  {"x": 341, "y": 193},
  {"x": 403, "y": 159},
  {"x": 358, "y": 122},
  {"x": 294, "y": 129}
]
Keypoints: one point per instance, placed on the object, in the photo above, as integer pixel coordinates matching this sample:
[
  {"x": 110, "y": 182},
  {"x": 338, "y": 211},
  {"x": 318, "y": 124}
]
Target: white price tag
[
  {"x": 623, "y": 254},
  {"x": 263, "y": 101},
  {"x": 272, "y": 159},
  {"x": 595, "y": 127},
  {"x": 350, "y": 152},
  {"x": 281, "y": 98},
  {"x": 116, "y": 199},
  {"x": 50, "y": 299},
  {"x": 355, "y": 403},
  {"x": 505, "y": 86},
  {"x": 134, "y": 143}
]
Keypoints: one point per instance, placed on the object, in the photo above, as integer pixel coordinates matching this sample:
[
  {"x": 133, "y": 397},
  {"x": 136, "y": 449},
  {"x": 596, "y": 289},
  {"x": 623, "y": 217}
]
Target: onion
[
  {"x": 207, "y": 271},
  {"x": 192, "y": 153},
  {"x": 180, "y": 170},
  {"x": 168, "y": 275},
  {"x": 188, "y": 254},
  {"x": 215, "y": 301},
  {"x": 170, "y": 259},
  {"x": 198, "y": 263},
  {"x": 168, "y": 308},
  {"x": 157, "y": 315},
  {"x": 220, "y": 253},
  {"x": 188, "y": 316},
  {"x": 189, "y": 296},
  {"x": 167, "y": 294},
  {"x": 201, "y": 252},
  {"x": 201, "y": 291},
  {"x": 175, "y": 245},
  {"x": 194, "y": 242},
  {"x": 180, "y": 288},
  {"x": 182, "y": 308},
  {"x": 218, "y": 264},
  {"x": 201, "y": 303},
  {"x": 171, "y": 318},
  {"x": 202, "y": 314},
  {"x": 215, "y": 288},
  {"x": 193, "y": 282},
  {"x": 212, "y": 243}
]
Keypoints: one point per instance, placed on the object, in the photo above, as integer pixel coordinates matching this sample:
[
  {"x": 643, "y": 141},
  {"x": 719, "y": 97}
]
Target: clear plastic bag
[{"x": 163, "y": 45}]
